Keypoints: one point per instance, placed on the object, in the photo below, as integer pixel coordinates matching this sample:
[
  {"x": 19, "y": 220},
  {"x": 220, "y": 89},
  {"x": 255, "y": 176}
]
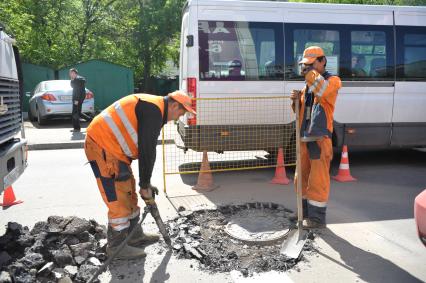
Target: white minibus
[{"x": 251, "y": 49}]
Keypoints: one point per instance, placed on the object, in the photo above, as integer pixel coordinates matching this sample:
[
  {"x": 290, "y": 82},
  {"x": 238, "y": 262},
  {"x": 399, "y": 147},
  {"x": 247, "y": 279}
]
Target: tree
[
  {"x": 153, "y": 29},
  {"x": 140, "y": 34}
]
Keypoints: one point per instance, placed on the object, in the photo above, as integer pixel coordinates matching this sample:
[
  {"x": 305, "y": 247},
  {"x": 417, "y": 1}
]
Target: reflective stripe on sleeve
[
  {"x": 323, "y": 88},
  {"x": 316, "y": 82},
  {"x": 126, "y": 123},
  {"x": 117, "y": 133}
]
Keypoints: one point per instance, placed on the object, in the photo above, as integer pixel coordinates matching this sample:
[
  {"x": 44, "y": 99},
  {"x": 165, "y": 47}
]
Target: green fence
[
  {"x": 109, "y": 82},
  {"x": 33, "y": 74},
  {"x": 163, "y": 86}
]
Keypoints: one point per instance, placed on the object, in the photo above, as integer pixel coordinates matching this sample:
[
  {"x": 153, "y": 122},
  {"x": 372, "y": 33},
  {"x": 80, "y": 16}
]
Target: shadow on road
[
  {"x": 78, "y": 136},
  {"x": 160, "y": 274},
  {"x": 370, "y": 267},
  {"x": 388, "y": 182},
  {"x": 134, "y": 270},
  {"x": 127, "y": 271},
  {"x": 58, "y": 123}
]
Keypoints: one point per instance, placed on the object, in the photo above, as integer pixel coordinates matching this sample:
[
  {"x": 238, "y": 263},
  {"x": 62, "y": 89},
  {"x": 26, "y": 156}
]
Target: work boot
[
  {"x": 139, "y": 238},
  {"x": 293, "y": 216},
  {"x": 115, "y": 238},
  {"x": 312, "y": 223}
]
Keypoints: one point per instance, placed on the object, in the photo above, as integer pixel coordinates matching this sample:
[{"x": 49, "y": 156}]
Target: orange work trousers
[
  {"x": 315, "y": 163},
  {"x": 116, "y": 184},
  {"x": 316, "y": 172}
]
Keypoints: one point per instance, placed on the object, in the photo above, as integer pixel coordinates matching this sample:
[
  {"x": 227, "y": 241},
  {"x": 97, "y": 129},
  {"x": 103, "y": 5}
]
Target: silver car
[{"x": 52, "y": 99}]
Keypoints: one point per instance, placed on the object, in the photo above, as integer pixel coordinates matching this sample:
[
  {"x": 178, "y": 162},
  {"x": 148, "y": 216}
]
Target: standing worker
[
  {"x": 78, "y": 95},
  {"x": 125, "y": 131},
  {"x": 317, "y": 100}
]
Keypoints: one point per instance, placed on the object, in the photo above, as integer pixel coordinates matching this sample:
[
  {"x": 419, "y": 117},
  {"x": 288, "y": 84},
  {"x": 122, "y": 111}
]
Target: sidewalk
[{"x": 57, "y": 135}]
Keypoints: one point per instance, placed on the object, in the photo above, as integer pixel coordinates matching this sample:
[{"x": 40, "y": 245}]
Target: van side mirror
[{"x": 189, "y": 40}]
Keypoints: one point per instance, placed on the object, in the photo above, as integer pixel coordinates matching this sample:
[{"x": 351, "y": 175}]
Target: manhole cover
[{"x": 258, "y": 226}]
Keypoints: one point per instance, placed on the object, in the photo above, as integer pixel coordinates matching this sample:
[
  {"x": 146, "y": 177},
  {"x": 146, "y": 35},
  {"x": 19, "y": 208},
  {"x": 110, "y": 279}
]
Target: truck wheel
[{"x": 40, "y": 120}]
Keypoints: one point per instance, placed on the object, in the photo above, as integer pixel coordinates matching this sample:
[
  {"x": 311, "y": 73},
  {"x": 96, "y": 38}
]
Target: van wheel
[{"x": 40, "y": 120}]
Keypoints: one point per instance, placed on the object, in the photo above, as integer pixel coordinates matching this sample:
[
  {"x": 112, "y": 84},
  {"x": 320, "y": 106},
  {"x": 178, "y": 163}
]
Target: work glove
[{"x": 148, "y": 194}]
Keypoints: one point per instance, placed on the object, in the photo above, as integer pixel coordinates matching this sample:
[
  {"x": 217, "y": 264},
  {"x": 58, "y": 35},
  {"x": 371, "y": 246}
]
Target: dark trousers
[{"x": 76, "y": 113}]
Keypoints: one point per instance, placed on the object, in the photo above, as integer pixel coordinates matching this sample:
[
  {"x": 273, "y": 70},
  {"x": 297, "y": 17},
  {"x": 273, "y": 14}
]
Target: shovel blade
[{"x": 294, "y": 243}]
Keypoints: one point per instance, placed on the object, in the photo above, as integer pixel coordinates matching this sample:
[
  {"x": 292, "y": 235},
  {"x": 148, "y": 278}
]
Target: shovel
[{"x": 296, "y": 239}]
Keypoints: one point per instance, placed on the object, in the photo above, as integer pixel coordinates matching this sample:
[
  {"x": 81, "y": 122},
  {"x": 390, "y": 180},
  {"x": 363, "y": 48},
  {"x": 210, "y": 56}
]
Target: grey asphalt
[{"x": 371, "y": 234}]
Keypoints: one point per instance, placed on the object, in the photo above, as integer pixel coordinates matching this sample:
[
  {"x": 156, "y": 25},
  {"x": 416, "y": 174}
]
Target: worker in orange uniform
[
  {"x": 317, "y": 100},
  {"x": 125, "y": 131}
]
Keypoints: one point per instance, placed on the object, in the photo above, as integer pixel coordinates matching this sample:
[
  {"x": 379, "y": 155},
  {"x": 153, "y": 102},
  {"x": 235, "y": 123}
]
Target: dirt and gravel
[
  {"x": 60, "y": 249},
  {"x": 202, "y": 235},
  {"x": 70, "y": 249}
]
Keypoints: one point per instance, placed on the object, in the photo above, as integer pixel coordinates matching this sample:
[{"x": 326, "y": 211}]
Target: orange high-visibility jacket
[
  {"x": 324, "y": 88},
  {"x": 129, "y": 129}
]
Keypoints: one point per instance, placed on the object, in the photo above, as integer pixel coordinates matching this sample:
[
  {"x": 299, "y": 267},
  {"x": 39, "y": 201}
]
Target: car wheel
[
  {"x": 31, "y": 116},
  {"x": 40, "y": 120}
]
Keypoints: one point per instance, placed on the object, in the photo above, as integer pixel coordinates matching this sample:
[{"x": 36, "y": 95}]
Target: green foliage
[
  {"x": 141, "y": 34},
  {"x": 57, "y": 33},
  {"x": 151, "y": 34}
]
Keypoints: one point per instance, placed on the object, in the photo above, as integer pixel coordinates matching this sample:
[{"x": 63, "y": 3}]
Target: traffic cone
[
  {"x": 205, "y": 177},
  {"x": 280, "y": 177},
  {"x": 344, "y": 174},
  {"x": 9, "y": 198}
]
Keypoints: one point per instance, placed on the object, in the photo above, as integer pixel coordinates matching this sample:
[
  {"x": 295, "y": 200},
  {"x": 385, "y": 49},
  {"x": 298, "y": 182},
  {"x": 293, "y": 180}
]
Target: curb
[{"x": 71, "y": 145}]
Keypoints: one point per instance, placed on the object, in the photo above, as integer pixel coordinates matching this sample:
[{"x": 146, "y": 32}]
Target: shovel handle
[{"x": 298, "y": 168}]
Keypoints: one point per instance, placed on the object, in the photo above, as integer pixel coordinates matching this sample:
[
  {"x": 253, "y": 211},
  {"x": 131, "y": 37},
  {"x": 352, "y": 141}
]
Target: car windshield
[{"x": 57, "y": 85}]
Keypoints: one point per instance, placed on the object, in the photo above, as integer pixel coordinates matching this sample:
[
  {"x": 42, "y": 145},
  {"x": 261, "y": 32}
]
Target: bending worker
[
  {"x": 316, "y": 100},
  {"x": 125, "y": 131}
]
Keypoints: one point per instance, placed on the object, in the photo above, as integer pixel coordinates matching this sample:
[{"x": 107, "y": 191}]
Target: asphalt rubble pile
[
  {"x": 200, "y": 235},
  {"x": 61, "y": 249}
]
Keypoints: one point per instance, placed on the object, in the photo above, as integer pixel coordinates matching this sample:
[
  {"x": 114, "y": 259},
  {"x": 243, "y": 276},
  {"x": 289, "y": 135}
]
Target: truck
[{"x": 13, "y": 146}]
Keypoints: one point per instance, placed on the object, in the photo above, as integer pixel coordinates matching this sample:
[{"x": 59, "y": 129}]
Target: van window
[
  {"x": 327, "y": 39},
  {"x": 368, "y": 49},
  {"x": 240, "y": 51},
  {"x": 354, "y": 52},
  {"x": 412, "y": 53}
]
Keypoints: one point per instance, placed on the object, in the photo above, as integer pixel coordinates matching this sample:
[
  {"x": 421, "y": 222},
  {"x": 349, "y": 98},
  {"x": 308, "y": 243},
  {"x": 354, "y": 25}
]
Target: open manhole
[
  {"x": 246, "y": 237},
  {"x": 258, "y": 226}
]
